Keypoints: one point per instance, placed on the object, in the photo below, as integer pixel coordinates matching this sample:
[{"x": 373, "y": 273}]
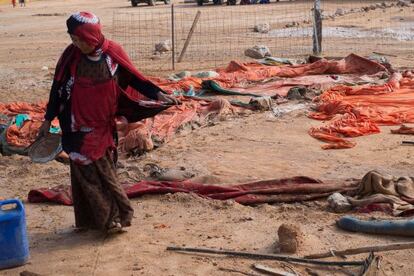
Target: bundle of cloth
[{"x": 381, "y": 192}]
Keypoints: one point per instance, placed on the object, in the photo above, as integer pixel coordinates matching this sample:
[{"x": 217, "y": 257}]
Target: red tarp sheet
[{"x": 293, "y": 189}]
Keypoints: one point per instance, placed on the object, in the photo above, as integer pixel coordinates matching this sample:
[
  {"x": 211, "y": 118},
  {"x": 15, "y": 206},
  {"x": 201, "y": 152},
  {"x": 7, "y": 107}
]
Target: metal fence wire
[{"x": 210, "y": 36}]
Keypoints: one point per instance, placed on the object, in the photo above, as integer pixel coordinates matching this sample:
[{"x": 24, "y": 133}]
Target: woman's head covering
[{"x": 87, "y": 27}]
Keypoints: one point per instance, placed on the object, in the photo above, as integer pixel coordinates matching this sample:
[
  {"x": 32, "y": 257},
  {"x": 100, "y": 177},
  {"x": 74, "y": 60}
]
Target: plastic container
[{"x": 14, "y": 246}]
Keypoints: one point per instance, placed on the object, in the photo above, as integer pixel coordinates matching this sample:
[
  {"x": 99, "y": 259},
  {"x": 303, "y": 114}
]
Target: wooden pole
[
  {"x": 264, "y": 256},
  {"x": 317, "y": 28},
  {"x": 190, "y": 34},
  {"x": 173, "y": 36},
  {"x": 366, "y": 249}
]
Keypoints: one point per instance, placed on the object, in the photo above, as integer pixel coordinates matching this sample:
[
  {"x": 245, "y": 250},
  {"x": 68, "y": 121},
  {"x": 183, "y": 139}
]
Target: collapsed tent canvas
[
  {"x": 255, "y": 79},
  {"x": 252, "y": 79},
  {"x": 280, "y": 86},
  {"x": 131, "y": 135},
  {"x": 161, "y": 128},
  {"x": 300, "y": 188},
  {"x": 360, "y": 110}
]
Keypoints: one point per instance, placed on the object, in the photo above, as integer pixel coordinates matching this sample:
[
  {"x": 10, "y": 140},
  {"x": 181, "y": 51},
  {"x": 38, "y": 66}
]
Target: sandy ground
[{"x": 256, "y": 147}]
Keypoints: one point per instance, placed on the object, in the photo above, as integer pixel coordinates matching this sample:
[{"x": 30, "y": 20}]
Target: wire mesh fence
[{"x": 220, "y": 34}]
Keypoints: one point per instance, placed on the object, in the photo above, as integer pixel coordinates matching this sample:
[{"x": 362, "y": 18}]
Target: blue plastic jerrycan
[{"x": 14, "y": 246}]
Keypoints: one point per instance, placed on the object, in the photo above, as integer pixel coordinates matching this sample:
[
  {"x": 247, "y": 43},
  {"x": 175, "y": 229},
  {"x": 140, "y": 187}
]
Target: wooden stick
[
  {"x": 407, "y": 142},
  {"x": 272, "y": 271},
  {"x": 366, "y": 249},
  {"x": 190, "y": 34},
  {"x": 237, "y": 271},
  {"x": 264, "y": 256}
]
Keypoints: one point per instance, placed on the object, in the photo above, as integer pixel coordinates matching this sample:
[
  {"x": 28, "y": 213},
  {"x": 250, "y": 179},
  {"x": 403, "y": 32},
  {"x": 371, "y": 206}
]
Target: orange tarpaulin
[
  {"x": 360, "y": 110},
  {"x": 138, "y": 135},
  {"x": 162, "y": 127},
  {"x": 239, "y": 75},
  {"x": 26, "y": 134}
]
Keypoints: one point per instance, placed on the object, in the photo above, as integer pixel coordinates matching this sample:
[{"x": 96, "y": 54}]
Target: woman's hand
[
  {"x": 167, "y": 98},
  {"x": 44, "y": 129}
]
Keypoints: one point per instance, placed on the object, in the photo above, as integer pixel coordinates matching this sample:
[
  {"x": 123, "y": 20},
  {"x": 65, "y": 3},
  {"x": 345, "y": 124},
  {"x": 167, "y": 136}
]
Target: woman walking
[{"x": 90, "y": 81}]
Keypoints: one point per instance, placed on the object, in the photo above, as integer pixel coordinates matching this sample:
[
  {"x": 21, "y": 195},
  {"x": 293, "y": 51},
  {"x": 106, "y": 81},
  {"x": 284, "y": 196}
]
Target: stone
[
  {"x": 258, "y": 52},
  {"x": 338, "y": 203},
  {"x": 292, "y": 24},
  {"x": 205, "y": 74},
  {"x": 339, "y": 12},
  {"x": 263, "y": 28},
  {"x": 164, "y": 46},
  {"x": 45, "y": 68},
  {"x": 183, "y": 74},
  {"x": 290, "y": 237},
  {"x": 403, "y": 3}
]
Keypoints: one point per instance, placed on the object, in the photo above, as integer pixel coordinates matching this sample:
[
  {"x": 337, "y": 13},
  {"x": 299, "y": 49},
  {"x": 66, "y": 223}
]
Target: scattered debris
[
  {"x": 236, "y": 271},
  {"x": 301, "y": 93},
  {"x": 164, "y": 46},
  {"x": 289, "y": 238},
  {"x": 166, "y": 174},
  {"x": 338, "y": 203},
  {"x": 339, "y": 12},
  {"x": 279, "y": 111},
  {"x": 263, "y": 28},
  {"x": 365, "y": 249},
  {"x": 403, "y": 3},
  {"x": 292, "y": 24},
  {"x": 261, "y": 103},
  {"x": 264, "y": 256},
  {"x": 272, "y": 271},
  {"x": 205, "y": 74},
  {"x": 28, "y": 273},
  {"x": 258, "y": 52},
  {"x": 383, "y": 6}
]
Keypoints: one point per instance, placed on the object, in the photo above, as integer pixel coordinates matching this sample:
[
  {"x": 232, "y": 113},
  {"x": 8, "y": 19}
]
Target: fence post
[
  {"x": 173, "y": 36},
  {"x": 317, "y": 28},
  {"x": 190, "y": 34}
]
